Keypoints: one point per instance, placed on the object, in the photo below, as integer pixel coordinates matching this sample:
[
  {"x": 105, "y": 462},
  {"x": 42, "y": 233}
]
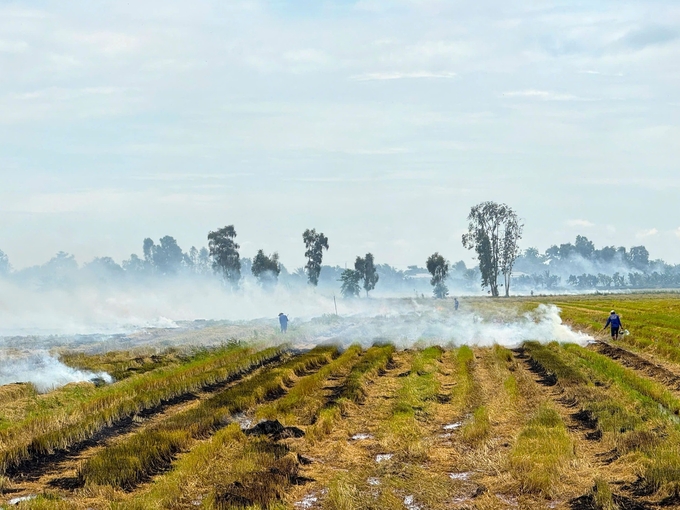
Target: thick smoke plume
[
  {"x": 35, "y": 322},
  {"x": 44, "y": 371},
  {"x": 429, "y": 325}
]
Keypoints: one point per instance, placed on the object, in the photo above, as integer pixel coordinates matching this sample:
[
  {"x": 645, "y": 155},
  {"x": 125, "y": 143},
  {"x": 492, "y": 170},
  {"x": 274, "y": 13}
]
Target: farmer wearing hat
[
  {"x": 613, "y": 321},
  {"x": 283, "y": 322}
]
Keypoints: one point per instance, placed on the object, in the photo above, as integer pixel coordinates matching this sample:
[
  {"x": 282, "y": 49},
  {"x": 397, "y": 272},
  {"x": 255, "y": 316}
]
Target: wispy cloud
[
  {"x": 402, "y": 75},
  {"x": 650, "y": 36},
  {"x": 580, "y": 223},
  {"x": 543, "y": 95},
  {"x": 647, "y": 233},
  {"x": 600, "y": 73}
]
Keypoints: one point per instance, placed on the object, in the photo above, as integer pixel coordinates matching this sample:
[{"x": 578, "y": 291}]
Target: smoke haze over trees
[
  {"x": 225, "y": 255},
  {"x": 266, "y": 269},
  {"x": 367, "y": 272},
  {"x": 438, "y": 267},
  {"x": 314, "y": 246},
  {"x": 577, "y": 266}
]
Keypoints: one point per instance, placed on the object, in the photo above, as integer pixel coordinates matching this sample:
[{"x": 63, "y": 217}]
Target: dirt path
[{"x": 58, "y": 473}]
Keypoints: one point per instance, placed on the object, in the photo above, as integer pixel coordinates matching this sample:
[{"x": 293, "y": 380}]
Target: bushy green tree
[
  {"x": 367, "y": 271},
  {"x": 439, "y": 269},
  {"x": 493, "y": 232},
  {"x": 350, "y": 279},
  {"x": 224, "y": 254},
  {"x": 314, "y": 246},
  {"x": 266, "y": 269}
]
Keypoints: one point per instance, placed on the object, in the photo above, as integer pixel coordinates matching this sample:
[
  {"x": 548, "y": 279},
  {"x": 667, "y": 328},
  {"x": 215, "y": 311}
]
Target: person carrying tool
[{"x": 613, "y": 321}]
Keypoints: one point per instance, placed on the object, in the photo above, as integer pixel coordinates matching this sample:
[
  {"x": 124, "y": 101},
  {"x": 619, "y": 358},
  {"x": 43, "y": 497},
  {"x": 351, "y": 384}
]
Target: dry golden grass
[
  {"x": 511, "y": 441},
  {"x": 130, "y": 462},
  {"x": 76, "y": 412}
]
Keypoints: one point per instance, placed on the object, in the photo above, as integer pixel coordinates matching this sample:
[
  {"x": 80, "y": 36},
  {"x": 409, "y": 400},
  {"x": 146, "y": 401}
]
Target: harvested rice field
[{"x": 343, "y": 413}]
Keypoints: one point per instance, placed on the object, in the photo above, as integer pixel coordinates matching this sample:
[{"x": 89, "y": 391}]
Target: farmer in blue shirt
[
  {"x": 283, "y": 322},
  {"x": 614, "y": 321}
]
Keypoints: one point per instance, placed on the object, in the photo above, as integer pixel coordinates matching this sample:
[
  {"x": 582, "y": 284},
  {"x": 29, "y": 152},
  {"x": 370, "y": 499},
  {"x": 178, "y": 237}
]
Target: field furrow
[
  {"x": 544, "y": 425},
  {"x": 92, "y": 412},
  {"x": 245, "y": 464},
  {"x": 60, "y": 473},
  {"x": 655, "y": 370},
  {"x": 620, "y": 421}
]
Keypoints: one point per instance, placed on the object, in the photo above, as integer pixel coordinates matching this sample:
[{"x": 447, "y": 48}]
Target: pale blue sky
[{"x": 378, "y": 122}]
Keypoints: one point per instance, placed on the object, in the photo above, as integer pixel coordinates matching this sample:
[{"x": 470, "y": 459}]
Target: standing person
[
  {"x": 613, "y": 321},
  {"x": 283, "y": 322},
  {"x": 455, "y": 303}
]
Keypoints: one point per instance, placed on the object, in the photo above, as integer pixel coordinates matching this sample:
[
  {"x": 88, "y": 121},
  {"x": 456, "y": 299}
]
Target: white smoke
[
  {"x": 43, "y": 370},
  {"x": 34, "y": 322},
  {"x": 82, "y": 310},
  {"x": 431, "y": 325}
]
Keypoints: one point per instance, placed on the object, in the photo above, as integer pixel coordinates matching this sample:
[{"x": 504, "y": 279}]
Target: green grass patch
[
  {"x": 542, "y": 452},
  {"x": 635, "y": 385},
  {"x": 305, "y": 398},
  {"x": 464, "y": 394},
  {"x": 552, "y": 360},
  {"x": 478, "y": 428},
  {"x": 374, "y": 361}
]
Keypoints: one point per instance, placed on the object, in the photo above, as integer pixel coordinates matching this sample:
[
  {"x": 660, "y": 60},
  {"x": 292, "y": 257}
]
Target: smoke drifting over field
[
  {"x": 43, "y": 370},
  {"x": 89, "y": 311},
  {"x": 426, "y": 324},
  {"x": 117, "y": 309},
  {"x": 35, "y": 323}
]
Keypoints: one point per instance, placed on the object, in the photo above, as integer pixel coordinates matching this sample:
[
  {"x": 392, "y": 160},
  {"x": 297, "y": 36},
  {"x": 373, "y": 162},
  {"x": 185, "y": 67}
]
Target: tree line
[
  {"x": 494, "y": 231},
  {"x": 493, "y": 234}
]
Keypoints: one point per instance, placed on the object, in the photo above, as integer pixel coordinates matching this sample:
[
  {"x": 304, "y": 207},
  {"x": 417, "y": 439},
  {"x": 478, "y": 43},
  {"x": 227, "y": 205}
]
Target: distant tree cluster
[
  {"x": 494, "y": 231},
  {"x": 364, "y": 272},
  {"x": 583, "y": 266}
]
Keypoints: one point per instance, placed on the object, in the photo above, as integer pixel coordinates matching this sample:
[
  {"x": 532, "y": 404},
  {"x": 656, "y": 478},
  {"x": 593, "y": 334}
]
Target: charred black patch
[
  {"x": 570, "y": 401},
  {"x": 595, "y": 435},
  {"x": 69, "y": 483},
  {"x": 586, "y": 418},
  {"x": 587, "y": 502},
  {"x": 304, "y": 460},
  {"x": 609, "y": 456},
  {"x": 443, "y": 398},
  {"x": 265, "y": 487},
  {"x": 275, "y": 430},
  {"x": 639, "y": 487},
  {"x": 671, "y": 501},
  {"x": 547, "y": 378}
]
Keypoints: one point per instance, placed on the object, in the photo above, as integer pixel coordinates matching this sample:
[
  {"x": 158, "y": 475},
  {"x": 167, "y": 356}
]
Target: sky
[{"x": 377, "y": 122}]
